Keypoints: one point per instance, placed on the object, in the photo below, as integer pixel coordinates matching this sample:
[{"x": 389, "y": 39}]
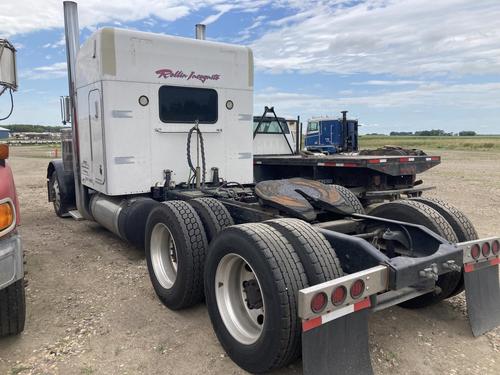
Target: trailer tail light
[
  {"x": 339, "y": 295},
  {"x": 485, "y": 249},
  {"x": 318, "y": 302},
  {"x": 7, "y": 216},
  {"x": 475, "y": 251},
  {"x": 333, "y": 299},
  {"x": 495, "y": 248},
  {"x": 479, "y": 254},
  {"x": 357, "y": 288}
]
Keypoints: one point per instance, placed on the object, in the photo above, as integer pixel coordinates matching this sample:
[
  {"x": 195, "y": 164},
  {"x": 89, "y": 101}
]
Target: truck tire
[
  {"x": 351, "y": 199},
  {"x": 12, "y": 309},
  {"x": 176, "y": 245},
  {"x": 213, "y": 214},
  {"x": 419, "y": 213},
  {"x": 262, "y": 332},
  {"x": 315, "y": 252},
  {"x": 463, "y": 227},
  {"x": 60, "y": 207}
]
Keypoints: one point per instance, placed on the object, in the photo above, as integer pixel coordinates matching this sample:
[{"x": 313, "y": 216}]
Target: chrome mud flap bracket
[
  {"x": 335, "y": 323},
  {"x": 482, "y": 283}
]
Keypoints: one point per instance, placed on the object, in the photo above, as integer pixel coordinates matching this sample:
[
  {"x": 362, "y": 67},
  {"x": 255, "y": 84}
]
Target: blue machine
[{"x": 332, "y": 136}]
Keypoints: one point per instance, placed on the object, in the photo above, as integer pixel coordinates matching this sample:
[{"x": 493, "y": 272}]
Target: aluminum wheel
[
  {"x": 57, "y": 194},
  {"x": 163, "y": 255},
  {"x": 239, "y": 299}
]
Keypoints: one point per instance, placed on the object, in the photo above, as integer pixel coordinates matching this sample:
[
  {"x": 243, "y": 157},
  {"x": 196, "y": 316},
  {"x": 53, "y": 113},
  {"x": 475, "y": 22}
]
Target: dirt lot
[{"x": 92, "y": 310}]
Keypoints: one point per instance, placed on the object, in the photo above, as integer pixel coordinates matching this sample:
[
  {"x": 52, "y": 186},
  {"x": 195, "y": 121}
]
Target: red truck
[{"x": 12, "y": 299}]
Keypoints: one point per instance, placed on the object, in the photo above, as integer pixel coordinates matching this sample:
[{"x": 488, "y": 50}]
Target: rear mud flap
[
  {"x": 482, "y": 292},
  {"x": 338, "y": 347}
]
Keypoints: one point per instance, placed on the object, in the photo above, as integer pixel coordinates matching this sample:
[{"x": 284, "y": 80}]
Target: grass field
[{"x": 477, "y": 143}]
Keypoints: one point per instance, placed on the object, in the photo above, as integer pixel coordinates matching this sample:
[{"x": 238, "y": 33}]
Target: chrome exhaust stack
[
  {"x": 200, "y": 31},
  {"x": 72, "y": 35}
]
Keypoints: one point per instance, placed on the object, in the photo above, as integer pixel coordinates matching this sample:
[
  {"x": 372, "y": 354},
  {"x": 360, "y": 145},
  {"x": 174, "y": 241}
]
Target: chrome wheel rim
[
  {"x": 57, "y": 195},
  {"x": 163, "y": 255},
  {"x": 245, "y": 323}
]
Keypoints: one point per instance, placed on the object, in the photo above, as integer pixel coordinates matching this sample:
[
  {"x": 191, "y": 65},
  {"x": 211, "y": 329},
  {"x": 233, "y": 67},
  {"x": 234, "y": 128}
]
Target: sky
[{"x": 396, "y": 65}]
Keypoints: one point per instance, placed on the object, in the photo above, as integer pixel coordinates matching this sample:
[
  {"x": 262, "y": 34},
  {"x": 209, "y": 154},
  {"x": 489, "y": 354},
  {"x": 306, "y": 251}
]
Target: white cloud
[
  {"x": 17, "y": 17},
  {"x": 223, "y": 9},
  {"x": 396, "y": 82},
  {"x": 56, "y": 70},
  {"x": 405, "y": 38},
  {"x": 444, "y": 97}
]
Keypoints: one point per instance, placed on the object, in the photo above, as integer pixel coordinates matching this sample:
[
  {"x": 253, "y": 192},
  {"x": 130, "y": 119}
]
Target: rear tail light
[
  {"x": 6, "y": 215},
  {"x": 475, "y": 251},
  {"x": 357, "y": 288},
  {"x": 485, "y": 249},
  {"x": 495, "y": 248},
  {"x": 318, "y": 302},
  {"x": 339, "y": 295}
]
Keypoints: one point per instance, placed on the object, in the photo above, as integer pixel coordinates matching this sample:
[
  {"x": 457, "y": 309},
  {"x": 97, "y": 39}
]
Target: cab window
[
  {"x": 271, "y": 127},
  {"x": 312, "y": 127}
]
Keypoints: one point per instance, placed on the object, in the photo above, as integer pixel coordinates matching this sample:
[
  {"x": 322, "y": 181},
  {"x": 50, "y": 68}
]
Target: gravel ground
[{"x": 92, "y": 310}]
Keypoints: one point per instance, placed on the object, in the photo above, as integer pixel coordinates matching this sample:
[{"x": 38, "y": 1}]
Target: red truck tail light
[
  {"x": 485, "y": 249},
  {"x": 475, "y": 251},
  {"x": 339, "y": 295},
  {"x": 495, "y": 248},
  {"x": 7, "y": 216},
  {"x": 357, "y": 288},
  {"x": 318, "y": 302}
]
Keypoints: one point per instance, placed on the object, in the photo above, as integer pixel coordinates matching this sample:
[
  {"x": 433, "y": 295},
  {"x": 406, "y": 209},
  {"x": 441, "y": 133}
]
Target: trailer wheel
[
  {"x": 175, "y": 253},
  {"x": 60, "y": 207},
  {"x": 315, "y": 252},
  {"x": 419, "y": 213},
  {"x": 12, "y": 309},
  {"x": 351, "y": 199},
  {"x": 252, "y": 280},
  {"x": 213, "y": 214},
  {"x": 462, "y": 226}
]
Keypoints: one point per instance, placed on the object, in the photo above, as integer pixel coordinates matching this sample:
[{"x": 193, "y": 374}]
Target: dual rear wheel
[
  {"x": 250, "y": 275},
  {"x": 443, "y": 219}
]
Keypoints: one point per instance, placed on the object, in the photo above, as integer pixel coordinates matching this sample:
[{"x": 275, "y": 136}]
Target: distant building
[{"x": 4, "y": 133}]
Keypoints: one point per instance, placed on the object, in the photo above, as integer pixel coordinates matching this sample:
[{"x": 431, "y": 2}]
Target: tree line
[
  {"x": 22, "y": 128},
  {"x": 435, "y": 133}
]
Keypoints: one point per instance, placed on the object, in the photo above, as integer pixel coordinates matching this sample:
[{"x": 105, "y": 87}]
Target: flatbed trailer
[
  {"x": 370, "y": 177},
  {"x": 281, "y": 249}
]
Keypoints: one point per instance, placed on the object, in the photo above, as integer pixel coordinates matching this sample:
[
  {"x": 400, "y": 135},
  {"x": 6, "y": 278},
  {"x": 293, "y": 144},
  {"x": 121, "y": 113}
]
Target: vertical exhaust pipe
[
  {"x": 72, "y": 35},
  {"x": 200, "y": 31},
  {"x": 345, "y": 131}
]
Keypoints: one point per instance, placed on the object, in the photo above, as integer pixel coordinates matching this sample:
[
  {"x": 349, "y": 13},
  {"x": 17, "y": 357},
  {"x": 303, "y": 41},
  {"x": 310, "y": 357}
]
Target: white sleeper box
[{"x": 125, "y": 146}]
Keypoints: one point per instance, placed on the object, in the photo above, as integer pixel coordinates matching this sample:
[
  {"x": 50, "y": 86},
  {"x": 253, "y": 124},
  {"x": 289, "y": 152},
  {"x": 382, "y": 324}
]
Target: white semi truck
[{"x": 161, "y": 153}]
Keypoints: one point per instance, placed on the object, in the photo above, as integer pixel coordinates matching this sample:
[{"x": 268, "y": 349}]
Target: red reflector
[
  {"x": 357, "y": 288},
  {"x": 310, "y": 324},
  {"x": 318, "y": 303},
  {"x": 495, "y": 249},
  {"x": 374, "y": 161},
  {"x": 475, "y": 251},
  {"x": 404, "y": 160},
  {"x": 339, "y": 295},
  {"x": 485, "y": 249}
]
